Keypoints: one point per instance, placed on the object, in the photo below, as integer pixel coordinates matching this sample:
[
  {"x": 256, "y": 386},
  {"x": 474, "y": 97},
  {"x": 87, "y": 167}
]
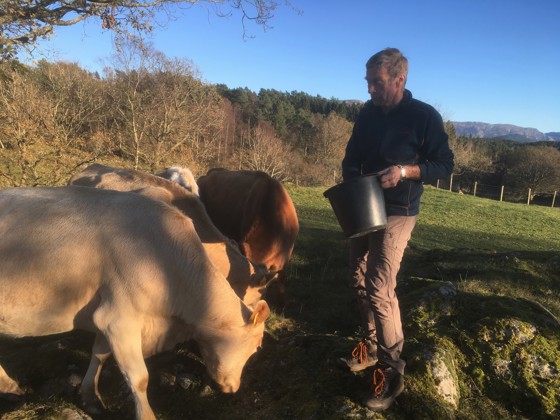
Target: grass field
[{"x": 495, "y": 328}]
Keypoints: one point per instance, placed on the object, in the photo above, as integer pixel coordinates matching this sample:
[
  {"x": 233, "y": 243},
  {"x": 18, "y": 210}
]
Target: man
[{"x": 402, "y": 140}]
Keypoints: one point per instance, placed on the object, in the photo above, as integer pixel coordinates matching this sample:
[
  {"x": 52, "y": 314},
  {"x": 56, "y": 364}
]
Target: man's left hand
[{"x": 389, "y": 177}]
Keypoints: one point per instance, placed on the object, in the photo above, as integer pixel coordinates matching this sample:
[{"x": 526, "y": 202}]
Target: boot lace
[
  {"x": 378, "y": 382},
  {"x": 360, "y": 352}
]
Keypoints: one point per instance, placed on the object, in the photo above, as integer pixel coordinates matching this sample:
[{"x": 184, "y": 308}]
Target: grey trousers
[{"x": 375, "y": 260}]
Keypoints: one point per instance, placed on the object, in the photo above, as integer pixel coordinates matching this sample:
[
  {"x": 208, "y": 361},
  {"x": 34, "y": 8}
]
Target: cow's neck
[{"x": 212, "y": 301}]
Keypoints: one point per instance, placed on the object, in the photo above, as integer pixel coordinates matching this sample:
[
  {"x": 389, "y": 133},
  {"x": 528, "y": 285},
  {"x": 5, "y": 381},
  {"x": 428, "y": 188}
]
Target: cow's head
[
  {"x": 226, "y": 351},
  {"x": 181, "y": 176}
]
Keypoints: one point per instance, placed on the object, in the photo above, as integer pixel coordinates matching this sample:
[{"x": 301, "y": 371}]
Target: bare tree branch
[{"x": 24, "y": 22}]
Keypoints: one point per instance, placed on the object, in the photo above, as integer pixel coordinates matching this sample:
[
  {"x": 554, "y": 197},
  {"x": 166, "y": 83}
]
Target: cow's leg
[
  {"x": 8, "y": 385},
  {"x": 125, "y": 341},
  {"x": 91, "y": 398}
]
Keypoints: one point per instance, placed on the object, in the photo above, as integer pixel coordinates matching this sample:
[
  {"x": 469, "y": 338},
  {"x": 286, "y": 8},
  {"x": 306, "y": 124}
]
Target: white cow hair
[{"x": 183, "y": 177}]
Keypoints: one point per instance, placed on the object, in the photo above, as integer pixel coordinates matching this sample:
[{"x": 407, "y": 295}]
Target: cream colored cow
[
  {"x": 128, "y": 268},
  {"x": 248, "y": 280}
]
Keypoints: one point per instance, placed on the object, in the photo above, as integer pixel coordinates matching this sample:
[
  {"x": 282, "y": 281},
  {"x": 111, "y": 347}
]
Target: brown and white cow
[
  {"x": 126, "y": 267},
  {"x": 247, "y": 279},
  {"x": 256, "y": 211}
]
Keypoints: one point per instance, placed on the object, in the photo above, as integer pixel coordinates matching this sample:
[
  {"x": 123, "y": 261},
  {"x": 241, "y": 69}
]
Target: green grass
[
  {"x": 496, "y": 329},
  {"x": 451, "y": 221}
]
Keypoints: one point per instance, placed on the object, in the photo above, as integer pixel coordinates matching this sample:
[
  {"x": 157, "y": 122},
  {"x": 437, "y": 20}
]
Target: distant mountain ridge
[{"x": 503, "y": 131}]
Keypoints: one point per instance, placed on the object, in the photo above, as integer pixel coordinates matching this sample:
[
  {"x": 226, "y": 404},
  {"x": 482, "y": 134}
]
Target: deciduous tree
[
  {"x": 263, "y": 151},
  {"x": 77, "y": 100},
  {"x": 534, "y": 167},
  {"x": 162, "y": 108},
  {"x": 36, "y": 148},
  {"x": 469, "y": 157}
]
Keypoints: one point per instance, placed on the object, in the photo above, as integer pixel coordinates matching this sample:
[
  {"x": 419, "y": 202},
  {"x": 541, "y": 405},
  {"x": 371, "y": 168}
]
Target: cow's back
[
  {"x": 253, "y": 209},
  {"x": 226, "y": 194},
  {"x": 121, "y": 179}
]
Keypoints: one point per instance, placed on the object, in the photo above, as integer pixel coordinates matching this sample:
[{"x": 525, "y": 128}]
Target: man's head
[{"x": 386, "y": 74}]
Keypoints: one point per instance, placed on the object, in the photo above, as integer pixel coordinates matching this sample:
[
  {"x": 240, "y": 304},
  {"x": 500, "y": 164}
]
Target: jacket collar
[{"x": 406, "y": 99}]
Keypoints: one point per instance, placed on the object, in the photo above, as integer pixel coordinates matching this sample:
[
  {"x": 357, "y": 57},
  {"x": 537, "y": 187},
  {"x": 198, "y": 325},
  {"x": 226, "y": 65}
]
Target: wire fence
[{"x": 500, "y": 192}]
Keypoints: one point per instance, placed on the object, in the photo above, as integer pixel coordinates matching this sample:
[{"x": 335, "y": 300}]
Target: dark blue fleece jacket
[{"x": 412, "y": 133}]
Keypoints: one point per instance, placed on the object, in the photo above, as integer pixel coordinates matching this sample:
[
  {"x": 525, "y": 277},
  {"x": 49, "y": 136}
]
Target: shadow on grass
[
  {"x": 318, "y": 292},
  {"x": 534, "y": 275}
]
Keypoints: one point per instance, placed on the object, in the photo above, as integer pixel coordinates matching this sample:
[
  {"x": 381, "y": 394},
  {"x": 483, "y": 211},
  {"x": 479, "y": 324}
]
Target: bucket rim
[{"x": 351, "y": 181}]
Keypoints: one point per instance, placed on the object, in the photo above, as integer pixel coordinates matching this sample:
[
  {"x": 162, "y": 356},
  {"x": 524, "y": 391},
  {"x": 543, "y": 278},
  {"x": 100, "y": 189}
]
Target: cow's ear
[
  {"x": 261, "y": 312},
  {"x": 261, "y": 279}
]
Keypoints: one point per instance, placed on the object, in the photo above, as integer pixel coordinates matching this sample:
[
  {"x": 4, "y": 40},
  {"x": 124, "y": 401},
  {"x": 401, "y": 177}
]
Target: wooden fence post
[
  {"x": 529, "y": 197},
  {"x": 437, "y": 184},
  {"x": 474, "y": 192},
  {"x": 451, "y": 183},
  {"x": 502, "y": 193},
  {"x": 554, "y": 198}
]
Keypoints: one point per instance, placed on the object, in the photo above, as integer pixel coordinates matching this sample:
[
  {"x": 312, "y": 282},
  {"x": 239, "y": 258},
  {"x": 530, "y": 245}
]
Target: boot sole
[
  {"x": 355, "y": 367},
  {"x": 385, "y": 404}
]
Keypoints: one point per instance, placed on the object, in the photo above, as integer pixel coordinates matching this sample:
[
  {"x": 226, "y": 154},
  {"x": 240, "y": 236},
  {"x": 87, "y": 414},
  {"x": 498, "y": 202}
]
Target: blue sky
[{"x": 494, "y": 61}]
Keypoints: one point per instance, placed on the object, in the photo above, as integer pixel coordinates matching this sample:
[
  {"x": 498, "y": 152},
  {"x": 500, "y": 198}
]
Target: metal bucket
[{"x": 358, "y": 205}]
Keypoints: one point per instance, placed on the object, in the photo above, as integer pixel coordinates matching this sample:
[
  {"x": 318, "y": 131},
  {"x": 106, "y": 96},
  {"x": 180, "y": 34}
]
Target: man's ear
[{"x": 401, "y": 81}]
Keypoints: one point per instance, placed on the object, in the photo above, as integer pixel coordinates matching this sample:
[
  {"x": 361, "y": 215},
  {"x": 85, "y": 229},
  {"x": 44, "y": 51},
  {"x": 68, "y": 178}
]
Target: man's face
[{"x": 384, "y": 90}]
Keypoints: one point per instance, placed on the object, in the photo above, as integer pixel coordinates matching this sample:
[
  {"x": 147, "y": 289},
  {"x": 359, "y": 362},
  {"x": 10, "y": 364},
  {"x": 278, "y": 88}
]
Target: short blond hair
[{"x": 392, "y": 59}]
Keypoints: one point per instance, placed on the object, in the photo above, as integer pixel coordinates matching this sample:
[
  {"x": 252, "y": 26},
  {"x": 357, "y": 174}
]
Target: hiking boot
[
  {"x": 363, "y": 356},
  {"x": 387, "y": 385}
]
